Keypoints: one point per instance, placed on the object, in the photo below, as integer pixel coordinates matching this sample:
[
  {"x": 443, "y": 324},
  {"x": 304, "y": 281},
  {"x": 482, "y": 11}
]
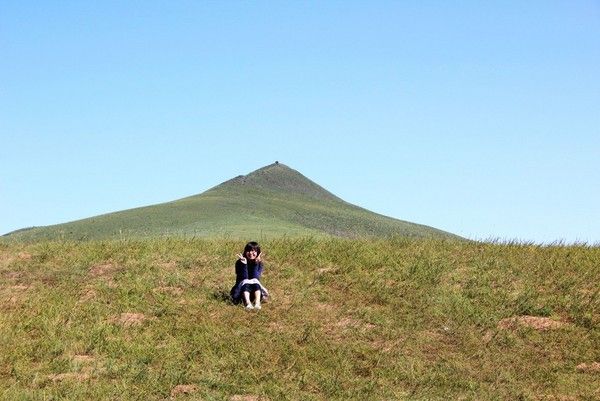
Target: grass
[{"x": 376, "y": 319}]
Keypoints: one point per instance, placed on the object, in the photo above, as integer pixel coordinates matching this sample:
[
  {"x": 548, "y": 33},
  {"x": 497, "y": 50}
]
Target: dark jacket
[{"x": 247, "y": 271}]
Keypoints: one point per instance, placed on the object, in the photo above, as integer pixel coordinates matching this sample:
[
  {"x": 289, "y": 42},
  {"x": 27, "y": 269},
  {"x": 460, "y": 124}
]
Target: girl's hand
[
  {"x": 259, "y": 257},
  {"x": 242, "y": 258}
]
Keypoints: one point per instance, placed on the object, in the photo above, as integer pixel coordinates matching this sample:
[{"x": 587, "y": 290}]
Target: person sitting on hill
[{"x": 248, "y": 269}]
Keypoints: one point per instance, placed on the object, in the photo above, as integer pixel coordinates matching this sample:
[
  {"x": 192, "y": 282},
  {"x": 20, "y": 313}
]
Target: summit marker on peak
[{"x": 279, "y": 178}]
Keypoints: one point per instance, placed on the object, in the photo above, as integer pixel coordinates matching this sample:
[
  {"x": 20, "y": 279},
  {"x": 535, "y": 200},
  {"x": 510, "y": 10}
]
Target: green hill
[{"x": 272, "y": 201}]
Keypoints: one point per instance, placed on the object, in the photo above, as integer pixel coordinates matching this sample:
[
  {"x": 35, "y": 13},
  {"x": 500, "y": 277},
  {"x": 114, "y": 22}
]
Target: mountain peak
[
  {"x": 277, "y": 177},
  {"x": 273, "y": 166}
]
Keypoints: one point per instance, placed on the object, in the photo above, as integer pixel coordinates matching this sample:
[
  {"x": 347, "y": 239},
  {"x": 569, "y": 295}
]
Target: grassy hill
[
  {"x": 272, "y": 201},
  {"x": 371, "y": 319}
]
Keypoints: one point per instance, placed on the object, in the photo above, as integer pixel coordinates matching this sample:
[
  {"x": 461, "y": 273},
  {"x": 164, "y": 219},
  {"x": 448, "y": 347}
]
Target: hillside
[
  {"x": 272, "y": 201},
  {"x": 395, "y": 319}
]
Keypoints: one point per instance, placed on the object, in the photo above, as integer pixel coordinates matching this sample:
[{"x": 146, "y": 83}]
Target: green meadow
[{"x": 348, "y": 319}]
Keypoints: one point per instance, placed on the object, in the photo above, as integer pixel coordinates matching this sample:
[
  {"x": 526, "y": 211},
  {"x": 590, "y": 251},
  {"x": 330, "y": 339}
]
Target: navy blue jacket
[{"x": 247, "y": 271}]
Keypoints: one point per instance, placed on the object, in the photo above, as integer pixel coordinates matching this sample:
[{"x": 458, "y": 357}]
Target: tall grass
[{"x": 393, "y": 319}]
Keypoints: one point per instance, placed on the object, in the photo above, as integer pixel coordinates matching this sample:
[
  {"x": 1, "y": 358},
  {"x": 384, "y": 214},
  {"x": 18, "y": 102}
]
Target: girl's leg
[
  {"x": 257, "y": 295},
  {"x": 247, "y": 300}
]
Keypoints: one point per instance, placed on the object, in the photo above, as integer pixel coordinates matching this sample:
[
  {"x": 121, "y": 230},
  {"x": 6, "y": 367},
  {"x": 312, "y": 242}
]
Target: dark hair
[{"x": 252, "y": 246}]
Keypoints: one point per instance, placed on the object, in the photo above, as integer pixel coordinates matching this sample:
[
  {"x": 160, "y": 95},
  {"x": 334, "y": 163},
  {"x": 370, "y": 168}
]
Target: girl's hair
[{"x": 252, "y": 246}]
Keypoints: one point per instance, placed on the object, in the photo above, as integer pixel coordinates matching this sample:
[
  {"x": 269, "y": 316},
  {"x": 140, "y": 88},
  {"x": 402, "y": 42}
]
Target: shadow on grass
[{"x": 222, "y": 296}]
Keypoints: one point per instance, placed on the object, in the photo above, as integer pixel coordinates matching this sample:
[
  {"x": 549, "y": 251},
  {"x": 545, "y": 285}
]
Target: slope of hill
[
  {"x": 378, "y": 319},
  {"x": 272, "y": 201}
]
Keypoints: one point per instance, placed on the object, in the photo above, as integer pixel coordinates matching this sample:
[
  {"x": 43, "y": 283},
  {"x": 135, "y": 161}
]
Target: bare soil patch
[
  {"x": 103, "y": 269},
  {"x": 105, "y": 272},
  {"x": 593, "y": 367},
  {"x": 534, "y": 322},
  {"x": 183, "y": 389}
]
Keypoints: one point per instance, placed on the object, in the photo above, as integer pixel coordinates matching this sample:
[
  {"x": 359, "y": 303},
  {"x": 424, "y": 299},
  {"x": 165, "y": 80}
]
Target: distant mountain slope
[{"x": 272, "y": 201}]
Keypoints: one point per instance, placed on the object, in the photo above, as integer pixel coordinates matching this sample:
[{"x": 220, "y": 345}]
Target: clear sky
[{"x": 478, "y": 118}]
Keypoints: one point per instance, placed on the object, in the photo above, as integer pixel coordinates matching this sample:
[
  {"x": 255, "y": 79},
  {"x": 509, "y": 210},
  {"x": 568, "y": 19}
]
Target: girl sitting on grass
[{"x": 248, "y": 270}]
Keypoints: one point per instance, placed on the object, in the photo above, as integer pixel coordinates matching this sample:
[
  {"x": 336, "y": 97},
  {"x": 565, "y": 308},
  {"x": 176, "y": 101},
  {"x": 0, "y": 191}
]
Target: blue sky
[{"x": 479, "y": 118}]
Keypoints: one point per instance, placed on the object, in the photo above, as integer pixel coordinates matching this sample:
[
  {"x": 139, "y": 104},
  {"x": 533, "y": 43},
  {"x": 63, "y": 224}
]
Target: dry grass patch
[
  {"x": 558, "y": 397},
  {"x": 327, "y": 269},
  {"x": 72, "y": 376},
  {"x": 83, "y": 359},
  {"x": 325, "y": 308},
  {"x": 88, "y": 295},
  {"x": 338, "y": 329},
  {"x": 130, "y": 319},
  {"x": 183, "y": 389},
  {"x": 24, "y": 256},
  {"x": 83, "y": 364},
  {"x": 238, "y": 397},
  {"x": 169, "y": 290},
  {"x": 103, "y": 269},
  {"x": 12, "y": 275},
  {"x": 386, "y": 346},
  {"x": 19, "y": 287},
  {"x": 169, "y": 265},
  {"x": 488, "y": 336},
  {"x": 13, "y": 295},
  {"x": 10, "y": 258},
  {"x": 435, "y": 344},
  {"x": 276, "y": 327},
  {"x": 349, "y": 323},
  {"x": 533, "y": 322},
  {"x": 104, "y": 272}
]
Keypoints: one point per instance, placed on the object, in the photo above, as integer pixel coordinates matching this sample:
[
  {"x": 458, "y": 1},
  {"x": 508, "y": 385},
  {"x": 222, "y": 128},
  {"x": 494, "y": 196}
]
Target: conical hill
[{"x": 272, "y": 201}]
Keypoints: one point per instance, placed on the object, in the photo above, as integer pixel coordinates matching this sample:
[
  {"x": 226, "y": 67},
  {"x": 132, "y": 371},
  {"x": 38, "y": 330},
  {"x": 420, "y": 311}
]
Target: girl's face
[{"x": 251, "y": 255}]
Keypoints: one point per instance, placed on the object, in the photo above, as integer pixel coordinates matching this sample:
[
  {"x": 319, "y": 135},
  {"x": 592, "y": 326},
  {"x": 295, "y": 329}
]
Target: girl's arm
[{"x": 241, "y": 271}]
